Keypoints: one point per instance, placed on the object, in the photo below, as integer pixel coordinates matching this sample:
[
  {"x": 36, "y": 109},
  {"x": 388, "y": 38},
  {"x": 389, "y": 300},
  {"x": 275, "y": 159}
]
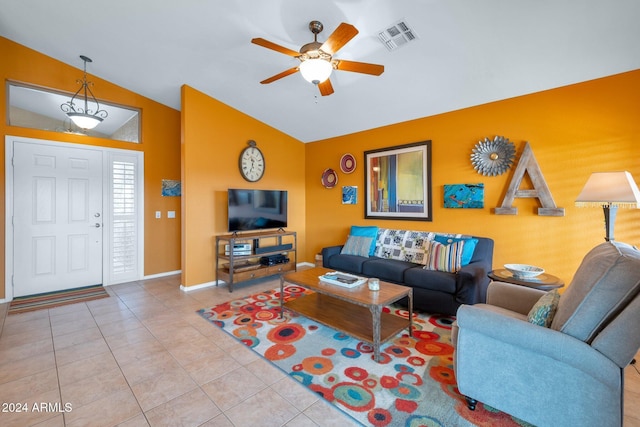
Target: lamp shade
[
  {"x": 315, "y": 70},
  {"x": 610, "y": 189}
]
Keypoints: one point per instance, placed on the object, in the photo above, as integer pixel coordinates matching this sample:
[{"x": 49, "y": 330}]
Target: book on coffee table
[{"x": 345, "y": 280}]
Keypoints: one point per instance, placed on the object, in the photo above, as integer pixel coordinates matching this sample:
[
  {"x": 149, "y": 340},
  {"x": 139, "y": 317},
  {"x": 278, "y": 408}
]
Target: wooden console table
[{"x": 233, "y": 268}]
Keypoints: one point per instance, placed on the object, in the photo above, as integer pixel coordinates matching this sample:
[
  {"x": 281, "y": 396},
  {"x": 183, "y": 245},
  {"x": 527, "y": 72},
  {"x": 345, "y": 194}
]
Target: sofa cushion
[
  {"x": 347, "y": 263},
  {"x": 418, "y": 277},
  {"x": 603, "y": 285},
  {"x": 403, "y": 245},
  {"x": 467, "y": 250},
  {"x": 543, "y": 311},
  {"x": 357, "y": 245},
  {"x": 391, "y": 270},
  {"x": 447, "y": 258},
  {"x": 366, "y": 231}
]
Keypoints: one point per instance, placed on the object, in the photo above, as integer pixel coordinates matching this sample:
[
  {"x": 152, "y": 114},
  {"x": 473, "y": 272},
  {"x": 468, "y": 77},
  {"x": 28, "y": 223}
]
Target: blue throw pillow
[
  {"x": 467, "y": 250},
  {"x": 366, "y": 231}
]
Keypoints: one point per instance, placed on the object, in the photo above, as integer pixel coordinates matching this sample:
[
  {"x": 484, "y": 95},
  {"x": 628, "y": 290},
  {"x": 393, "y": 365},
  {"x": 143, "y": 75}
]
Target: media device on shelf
[{"x": 250, "y": 210}]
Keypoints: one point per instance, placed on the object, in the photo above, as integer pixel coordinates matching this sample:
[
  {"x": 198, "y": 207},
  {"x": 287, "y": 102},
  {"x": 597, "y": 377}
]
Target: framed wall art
[
  {"x": 398, "y": 182},
  {"x": 171, "y": 188},
  {"x": 349, "y": 195},
  {"x": 466, "y": 196}
]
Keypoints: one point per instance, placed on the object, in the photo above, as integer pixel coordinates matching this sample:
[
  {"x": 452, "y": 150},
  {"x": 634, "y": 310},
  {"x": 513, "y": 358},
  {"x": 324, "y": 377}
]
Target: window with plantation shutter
[{"x": 125, "y": 235}]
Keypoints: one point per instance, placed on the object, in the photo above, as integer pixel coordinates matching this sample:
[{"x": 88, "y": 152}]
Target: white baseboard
[
  {"x": 168, "y": 273},
  {"x": 200, "y": 286},
  {"x": 305, "y": 264}
]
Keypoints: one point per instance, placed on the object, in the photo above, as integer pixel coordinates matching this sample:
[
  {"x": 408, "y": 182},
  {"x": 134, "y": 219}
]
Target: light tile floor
[{"x": 144, "y": 357}]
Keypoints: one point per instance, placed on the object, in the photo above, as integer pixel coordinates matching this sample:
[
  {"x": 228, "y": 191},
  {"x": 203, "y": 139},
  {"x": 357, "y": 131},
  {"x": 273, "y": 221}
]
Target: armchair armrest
[
  {"x": 538, "y": 343},
  {"x": 513, "y": 297}
]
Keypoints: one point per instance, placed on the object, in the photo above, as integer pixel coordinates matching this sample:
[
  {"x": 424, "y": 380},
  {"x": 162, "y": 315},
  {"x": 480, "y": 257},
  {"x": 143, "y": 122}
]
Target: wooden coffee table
[{"x": 355, "y": 311}]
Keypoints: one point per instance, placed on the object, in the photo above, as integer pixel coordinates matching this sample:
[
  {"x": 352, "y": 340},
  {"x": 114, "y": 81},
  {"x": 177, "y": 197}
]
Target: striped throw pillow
[{"x": 446, "y": 258}]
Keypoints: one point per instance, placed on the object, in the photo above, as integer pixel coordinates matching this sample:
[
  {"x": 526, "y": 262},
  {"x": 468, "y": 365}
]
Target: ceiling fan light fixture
[{"x": 316, "y": 70}]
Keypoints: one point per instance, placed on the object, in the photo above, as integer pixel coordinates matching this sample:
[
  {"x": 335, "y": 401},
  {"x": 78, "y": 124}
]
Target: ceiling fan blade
[
  {"x": 339, "y": 38},
  {"x": 270, "y": 45},
  {"x": 280, "y": 75},
  {"x": 325, "y": 88},
  {"x": 359, "y": 67}
]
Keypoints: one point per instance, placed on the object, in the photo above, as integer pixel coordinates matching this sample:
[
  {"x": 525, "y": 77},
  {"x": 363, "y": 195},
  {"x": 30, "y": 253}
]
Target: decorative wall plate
[
  {"x": 347, "y": 163},
  {"x": 329, "y": 178},
  {"x": 491, "y": 158}
]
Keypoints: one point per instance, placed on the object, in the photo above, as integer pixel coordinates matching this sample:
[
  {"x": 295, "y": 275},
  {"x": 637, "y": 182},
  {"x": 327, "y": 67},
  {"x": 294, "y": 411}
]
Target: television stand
[{"x": 239, "y": 266}]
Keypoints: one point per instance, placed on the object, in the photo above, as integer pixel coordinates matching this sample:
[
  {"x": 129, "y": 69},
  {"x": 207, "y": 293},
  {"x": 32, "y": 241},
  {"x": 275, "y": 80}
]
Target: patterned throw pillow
[
  {"x": 542, "y": 312},
  {"x": 357, "y": 245},
  {"x": 403, "y": 245},
  {"x": 446, "y": 258}
]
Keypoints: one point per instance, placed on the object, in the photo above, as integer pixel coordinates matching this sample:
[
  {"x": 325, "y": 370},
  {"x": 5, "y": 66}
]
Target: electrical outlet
[{"x": 171, "y": 214}]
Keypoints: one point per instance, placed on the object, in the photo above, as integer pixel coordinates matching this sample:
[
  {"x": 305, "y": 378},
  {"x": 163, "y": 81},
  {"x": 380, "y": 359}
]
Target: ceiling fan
[{"x": 316, "y": 59}]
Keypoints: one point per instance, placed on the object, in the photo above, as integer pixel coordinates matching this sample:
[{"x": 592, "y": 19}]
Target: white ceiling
[{"x": 469, "y": 52}]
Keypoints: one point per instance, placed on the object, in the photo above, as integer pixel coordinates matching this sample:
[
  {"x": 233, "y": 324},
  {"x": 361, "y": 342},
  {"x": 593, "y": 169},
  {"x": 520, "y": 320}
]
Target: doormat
[
  {"x": 56, "y": 299},
  {"x": 413, "y": 385}
]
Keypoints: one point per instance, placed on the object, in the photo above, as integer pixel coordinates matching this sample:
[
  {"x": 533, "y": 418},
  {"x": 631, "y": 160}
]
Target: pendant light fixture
[{"x": 84, "y": 117}]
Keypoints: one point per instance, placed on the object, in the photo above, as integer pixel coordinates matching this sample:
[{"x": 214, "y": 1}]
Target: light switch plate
[
  {"x": 158, "y": 214},
  {"x": 171, "y": 214}
]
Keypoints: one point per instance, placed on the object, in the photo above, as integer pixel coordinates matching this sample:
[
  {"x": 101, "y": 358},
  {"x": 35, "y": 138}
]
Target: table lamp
[{"x": 610, "y": 190}]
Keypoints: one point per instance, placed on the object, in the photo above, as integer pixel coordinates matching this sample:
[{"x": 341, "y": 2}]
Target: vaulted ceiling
[{"x": 466, "y": 52}]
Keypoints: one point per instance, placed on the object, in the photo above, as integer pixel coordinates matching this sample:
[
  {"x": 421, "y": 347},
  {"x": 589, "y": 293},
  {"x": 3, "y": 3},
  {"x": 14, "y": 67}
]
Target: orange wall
[
  {"x": 573, "y": 131},
  {"x": 213, "y": 135},
  {"x": 160, "y": 144}
]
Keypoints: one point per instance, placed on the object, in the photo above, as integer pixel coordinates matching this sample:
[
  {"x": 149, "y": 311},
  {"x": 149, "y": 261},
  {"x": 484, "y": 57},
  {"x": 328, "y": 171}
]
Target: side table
[{"x": 544, "y": 281}]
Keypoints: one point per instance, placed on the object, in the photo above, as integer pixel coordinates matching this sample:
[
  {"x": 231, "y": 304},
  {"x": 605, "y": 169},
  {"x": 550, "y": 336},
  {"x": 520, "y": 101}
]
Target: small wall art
[
  {"x": 468, "y": 196},
  {"x": 349, "y": 195},
  {"x": 171, "y": 188}
]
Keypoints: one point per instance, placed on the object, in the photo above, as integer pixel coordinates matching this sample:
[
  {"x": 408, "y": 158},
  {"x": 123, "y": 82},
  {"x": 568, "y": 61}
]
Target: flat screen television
[{"x": 256, "y": 209}]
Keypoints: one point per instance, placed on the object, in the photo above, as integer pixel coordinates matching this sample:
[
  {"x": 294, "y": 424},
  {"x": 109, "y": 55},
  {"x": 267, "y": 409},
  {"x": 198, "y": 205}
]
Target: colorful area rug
[
  {"x": 56, "y": 299},
  {"x": 414, "y": 385}
]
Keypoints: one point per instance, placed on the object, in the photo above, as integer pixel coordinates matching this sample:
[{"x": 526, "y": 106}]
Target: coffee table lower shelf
[{"x": 354, "y": 320}]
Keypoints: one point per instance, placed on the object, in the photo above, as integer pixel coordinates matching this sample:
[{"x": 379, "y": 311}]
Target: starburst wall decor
[{"x": 492, "y": 158}]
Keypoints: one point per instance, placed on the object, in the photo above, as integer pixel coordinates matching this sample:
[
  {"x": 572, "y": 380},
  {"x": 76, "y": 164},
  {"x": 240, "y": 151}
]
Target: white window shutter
[{"x": 125, "y": 235}]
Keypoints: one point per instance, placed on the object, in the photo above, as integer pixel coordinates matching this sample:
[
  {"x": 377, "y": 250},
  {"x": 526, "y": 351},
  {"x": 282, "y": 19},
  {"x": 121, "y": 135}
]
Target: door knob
[{"x": 97, "y": 225}]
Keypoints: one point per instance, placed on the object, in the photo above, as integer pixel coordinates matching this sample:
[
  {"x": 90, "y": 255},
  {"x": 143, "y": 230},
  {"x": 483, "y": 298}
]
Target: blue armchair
[{"x": 568, "y": 374}]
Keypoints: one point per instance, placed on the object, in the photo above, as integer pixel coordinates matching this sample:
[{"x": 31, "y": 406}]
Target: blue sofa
[{"x": 433, "y": 291}]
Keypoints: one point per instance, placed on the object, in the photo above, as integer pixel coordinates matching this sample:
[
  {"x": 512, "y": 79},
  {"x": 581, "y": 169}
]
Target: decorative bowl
[{"x": 524, "y": 271}]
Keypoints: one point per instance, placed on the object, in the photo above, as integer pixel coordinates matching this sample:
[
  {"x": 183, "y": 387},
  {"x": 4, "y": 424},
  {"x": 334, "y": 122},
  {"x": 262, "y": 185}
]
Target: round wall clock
[
  {"x": 251, "y": 163},
  {"x": 491, "y": 158}
]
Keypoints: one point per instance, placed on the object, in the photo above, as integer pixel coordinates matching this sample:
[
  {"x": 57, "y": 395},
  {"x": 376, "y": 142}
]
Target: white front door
[{"x": 57, "y": 218}]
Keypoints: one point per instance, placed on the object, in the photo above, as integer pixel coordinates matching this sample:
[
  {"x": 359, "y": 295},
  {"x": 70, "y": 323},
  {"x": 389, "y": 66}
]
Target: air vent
[{"x": 397, "y": 35}]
